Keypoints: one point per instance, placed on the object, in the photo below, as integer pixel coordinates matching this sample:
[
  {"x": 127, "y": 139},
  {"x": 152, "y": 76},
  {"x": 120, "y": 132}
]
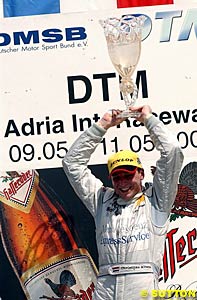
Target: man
[{"x": 131, "y": 224}]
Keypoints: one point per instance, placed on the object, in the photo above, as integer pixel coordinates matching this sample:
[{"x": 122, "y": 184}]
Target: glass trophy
[{"x": 123, "y": 36}]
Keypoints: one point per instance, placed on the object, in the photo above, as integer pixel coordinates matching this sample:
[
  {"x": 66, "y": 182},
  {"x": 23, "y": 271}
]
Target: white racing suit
[{"x": 130, "y": 235}]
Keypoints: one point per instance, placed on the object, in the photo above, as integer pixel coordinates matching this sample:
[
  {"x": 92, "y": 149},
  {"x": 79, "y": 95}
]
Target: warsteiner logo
[{"x": 186, "y": 202}]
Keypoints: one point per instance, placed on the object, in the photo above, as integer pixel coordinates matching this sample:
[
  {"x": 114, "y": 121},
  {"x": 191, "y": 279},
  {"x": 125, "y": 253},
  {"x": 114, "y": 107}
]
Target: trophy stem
[{"x": 129, "y": 100}]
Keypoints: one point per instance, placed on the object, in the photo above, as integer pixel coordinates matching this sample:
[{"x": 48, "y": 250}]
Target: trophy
[{"x": 123, "y": 36}]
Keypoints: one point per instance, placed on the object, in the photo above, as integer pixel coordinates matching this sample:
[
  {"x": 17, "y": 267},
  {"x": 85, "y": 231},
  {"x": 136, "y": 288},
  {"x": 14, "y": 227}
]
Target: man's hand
[
  {"x": 145, "y": 112},
  {"x": 110, "y": 118}
]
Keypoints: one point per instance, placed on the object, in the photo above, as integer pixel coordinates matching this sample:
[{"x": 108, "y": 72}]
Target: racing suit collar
[{"x": 120, "y": 201}]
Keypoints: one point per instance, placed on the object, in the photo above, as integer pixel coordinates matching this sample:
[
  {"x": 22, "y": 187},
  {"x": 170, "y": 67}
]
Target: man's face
[{"x": 127, "y": 185}]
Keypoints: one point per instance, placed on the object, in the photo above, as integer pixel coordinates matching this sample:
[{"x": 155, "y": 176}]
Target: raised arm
[
  {"x": 168, "y": 167},
  {"x": 75, "y": 163}
]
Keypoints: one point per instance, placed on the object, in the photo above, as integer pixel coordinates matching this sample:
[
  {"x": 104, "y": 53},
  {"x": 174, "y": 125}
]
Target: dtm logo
[{"x": 51, "y": 35}]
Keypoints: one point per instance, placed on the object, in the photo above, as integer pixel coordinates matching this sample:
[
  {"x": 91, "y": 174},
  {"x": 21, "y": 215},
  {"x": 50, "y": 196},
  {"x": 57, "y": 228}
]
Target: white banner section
[{"x": 57, "y": 79}]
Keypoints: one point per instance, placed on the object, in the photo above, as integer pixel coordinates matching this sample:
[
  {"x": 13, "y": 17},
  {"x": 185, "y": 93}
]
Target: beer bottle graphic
[{"x": 41, "y": 242}]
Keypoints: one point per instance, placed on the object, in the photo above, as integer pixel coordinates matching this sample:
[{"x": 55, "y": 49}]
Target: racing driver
[{"x": 131, "y": 222}]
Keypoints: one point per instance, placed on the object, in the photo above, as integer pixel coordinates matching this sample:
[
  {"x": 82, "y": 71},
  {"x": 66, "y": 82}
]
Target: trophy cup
[{"x": 123, "y": 38}]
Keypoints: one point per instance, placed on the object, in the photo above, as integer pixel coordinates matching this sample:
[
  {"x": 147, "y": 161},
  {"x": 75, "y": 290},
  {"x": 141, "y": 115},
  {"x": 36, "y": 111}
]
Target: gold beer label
[
  {"x": 72, "y": 275},
  {"x": 18, "y": 189}
]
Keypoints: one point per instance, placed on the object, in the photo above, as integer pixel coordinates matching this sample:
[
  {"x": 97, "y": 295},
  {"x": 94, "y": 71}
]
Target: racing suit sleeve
[
  {"x": 168, "y": 167},
  {"x": 84, "y": 183}
]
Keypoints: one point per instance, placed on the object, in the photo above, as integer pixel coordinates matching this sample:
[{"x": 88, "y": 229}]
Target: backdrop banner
[
  {"x": 17, "y": 8},
  {"x": 57, "y": 79},
  {"x": 57, "y": 75}
]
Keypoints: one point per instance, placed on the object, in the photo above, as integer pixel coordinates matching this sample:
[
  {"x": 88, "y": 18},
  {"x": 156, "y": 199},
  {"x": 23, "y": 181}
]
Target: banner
[
  {"x": 18, "y": 8},
  {"x": 57, "y": 79},
  {"x": 61, "y": 67}
]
